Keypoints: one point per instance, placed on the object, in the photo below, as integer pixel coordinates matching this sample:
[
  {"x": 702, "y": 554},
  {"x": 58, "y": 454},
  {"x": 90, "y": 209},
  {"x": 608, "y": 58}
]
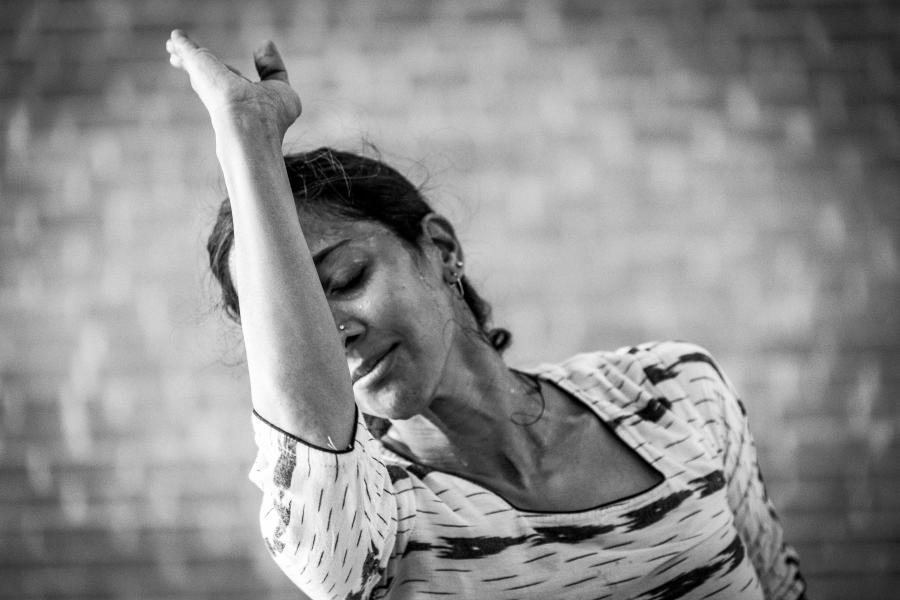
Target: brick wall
[{"x": 726, "y": 173}]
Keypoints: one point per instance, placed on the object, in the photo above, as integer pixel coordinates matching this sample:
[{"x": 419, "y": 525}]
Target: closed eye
[{"x": 347, "y": 285}]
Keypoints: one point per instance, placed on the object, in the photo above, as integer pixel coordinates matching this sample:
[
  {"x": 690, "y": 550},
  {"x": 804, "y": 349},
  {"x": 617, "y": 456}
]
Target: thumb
[{"x": 269, "y": 64}]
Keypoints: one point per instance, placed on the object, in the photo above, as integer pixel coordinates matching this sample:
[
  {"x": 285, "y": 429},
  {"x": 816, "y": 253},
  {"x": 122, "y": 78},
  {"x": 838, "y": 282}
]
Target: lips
[{"x": 371, "y": 363}]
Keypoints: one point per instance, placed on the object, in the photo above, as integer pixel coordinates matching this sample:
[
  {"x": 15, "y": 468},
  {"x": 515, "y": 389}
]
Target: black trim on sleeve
[{"x": 314, "y": 446}]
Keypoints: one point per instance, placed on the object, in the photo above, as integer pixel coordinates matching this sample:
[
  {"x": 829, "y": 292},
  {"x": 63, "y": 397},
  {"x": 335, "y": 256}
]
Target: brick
[
  {"x": 835, "y": 587},
  {"x": 822, "y": 527},
  {"x": 808, "y": 492},
  {"x": 853, "y": 559},
  {"x": 124, "y": 578},
  {"x": 93, "y": 546}
]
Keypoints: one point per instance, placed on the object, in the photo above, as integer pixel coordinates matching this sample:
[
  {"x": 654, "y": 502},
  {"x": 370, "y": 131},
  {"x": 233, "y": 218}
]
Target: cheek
[
  {"x": 421, "y": 319},
  {"x": 429, "y": 317},
  {"x": 410, "y": 303}
]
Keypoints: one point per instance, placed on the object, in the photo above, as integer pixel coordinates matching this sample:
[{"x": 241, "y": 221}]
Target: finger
[
  {"x": 180, "y": 43},
  {"x": 174, "y": 58},
  {"x": 191, "y": 57},
  {"x": 269, "y": 64}
]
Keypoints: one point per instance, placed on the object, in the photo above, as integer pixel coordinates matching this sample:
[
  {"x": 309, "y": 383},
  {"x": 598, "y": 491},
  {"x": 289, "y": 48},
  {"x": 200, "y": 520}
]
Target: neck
[{"x": 483, "y": 418}]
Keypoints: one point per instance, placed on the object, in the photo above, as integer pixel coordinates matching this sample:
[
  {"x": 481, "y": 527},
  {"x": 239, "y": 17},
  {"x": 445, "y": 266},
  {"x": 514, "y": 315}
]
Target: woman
[{"x": 627, "y": 474}]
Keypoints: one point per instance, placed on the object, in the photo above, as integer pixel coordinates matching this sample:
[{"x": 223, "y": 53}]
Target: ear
[{"x": 439, "y": 232}]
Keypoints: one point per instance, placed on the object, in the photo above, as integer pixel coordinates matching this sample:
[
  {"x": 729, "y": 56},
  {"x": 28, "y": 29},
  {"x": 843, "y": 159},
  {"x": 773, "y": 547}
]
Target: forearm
[{"x": 298, "y": 374}]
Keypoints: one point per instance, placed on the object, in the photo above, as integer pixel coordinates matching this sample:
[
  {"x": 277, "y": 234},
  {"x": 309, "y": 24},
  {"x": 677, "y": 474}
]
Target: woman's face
[{"x": 400, "y": 318}]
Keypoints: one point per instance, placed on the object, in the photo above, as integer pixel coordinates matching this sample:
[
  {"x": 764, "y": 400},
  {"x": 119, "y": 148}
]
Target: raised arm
[{"x": 298, "y": 374}]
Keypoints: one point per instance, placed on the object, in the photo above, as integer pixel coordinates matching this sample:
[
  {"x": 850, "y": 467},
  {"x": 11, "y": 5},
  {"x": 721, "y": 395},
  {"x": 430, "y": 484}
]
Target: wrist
[{"x": 235, "y": 129}]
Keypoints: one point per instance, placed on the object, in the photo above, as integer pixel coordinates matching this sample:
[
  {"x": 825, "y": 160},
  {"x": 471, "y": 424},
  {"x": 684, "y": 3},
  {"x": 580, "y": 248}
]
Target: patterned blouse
[{"x": 367, "y": 523}]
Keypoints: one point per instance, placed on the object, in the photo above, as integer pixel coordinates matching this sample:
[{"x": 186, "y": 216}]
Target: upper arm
[
  {"x": 329, "y": 519},
  {"x": 725, "y": 425}
]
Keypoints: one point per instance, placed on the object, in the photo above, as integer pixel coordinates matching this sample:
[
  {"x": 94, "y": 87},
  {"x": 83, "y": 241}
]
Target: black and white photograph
[{"x": 417, "y": 299}]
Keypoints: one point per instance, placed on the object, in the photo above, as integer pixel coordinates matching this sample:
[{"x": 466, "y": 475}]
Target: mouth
[{"x": 374, "y": 366}]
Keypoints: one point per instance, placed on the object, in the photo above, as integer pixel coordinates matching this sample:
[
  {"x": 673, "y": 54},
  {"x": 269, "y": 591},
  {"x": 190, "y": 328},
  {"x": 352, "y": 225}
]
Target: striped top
[{"x": 367, "y": 523}]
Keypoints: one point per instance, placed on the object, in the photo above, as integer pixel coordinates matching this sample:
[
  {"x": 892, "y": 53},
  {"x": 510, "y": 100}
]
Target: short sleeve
[
  {"x": 726, "y": 424},
  {"x": 329, "y": 519}
]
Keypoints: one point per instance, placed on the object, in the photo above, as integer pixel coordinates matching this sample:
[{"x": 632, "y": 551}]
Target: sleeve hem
[{"x": 310, "y": 445}]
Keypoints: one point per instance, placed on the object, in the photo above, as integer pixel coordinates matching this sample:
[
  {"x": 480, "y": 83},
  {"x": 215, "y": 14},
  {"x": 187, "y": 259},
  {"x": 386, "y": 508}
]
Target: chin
[{"x": 392, "y": 404}]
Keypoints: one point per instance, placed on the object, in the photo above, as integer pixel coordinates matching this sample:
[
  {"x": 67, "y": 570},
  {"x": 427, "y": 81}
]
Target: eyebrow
[{"x": 319, "y": 256}]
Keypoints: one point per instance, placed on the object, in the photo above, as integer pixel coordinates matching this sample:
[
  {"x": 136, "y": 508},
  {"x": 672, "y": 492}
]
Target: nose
[{"x": 350, "y": 330}]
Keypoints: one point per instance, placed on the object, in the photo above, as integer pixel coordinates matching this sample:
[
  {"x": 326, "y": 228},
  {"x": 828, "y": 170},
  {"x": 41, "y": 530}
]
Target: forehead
[{"x": 323, "y": 231}]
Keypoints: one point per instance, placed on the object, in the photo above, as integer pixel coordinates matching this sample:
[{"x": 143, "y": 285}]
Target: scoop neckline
[{"x": 613, "y": 506}]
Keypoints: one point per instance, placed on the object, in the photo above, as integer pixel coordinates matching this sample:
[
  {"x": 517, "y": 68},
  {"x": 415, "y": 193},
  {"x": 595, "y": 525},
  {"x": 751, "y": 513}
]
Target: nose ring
[{"x": 342, "y": 327}]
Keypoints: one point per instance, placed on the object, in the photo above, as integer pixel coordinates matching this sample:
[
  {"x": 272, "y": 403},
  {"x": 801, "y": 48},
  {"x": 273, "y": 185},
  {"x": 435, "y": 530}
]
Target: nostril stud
[{"x": 342, "y": 327}]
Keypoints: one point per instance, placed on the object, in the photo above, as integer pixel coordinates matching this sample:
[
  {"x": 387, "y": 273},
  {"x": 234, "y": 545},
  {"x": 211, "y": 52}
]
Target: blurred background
[{"x": 619, "y": 171}]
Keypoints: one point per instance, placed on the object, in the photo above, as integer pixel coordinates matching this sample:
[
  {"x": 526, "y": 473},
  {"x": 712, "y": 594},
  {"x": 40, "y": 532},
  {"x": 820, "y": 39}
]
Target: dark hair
[{"x": 349, "y": 186}]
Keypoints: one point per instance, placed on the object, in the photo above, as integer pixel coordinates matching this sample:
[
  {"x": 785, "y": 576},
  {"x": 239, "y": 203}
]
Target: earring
[
  {"x": 456, "y": 282},
  {"x": 456, "y": 279}
]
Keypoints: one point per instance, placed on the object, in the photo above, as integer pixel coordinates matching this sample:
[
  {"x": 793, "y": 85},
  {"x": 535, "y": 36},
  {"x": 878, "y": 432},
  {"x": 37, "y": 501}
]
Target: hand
[{"x": 230, "y": 97}]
